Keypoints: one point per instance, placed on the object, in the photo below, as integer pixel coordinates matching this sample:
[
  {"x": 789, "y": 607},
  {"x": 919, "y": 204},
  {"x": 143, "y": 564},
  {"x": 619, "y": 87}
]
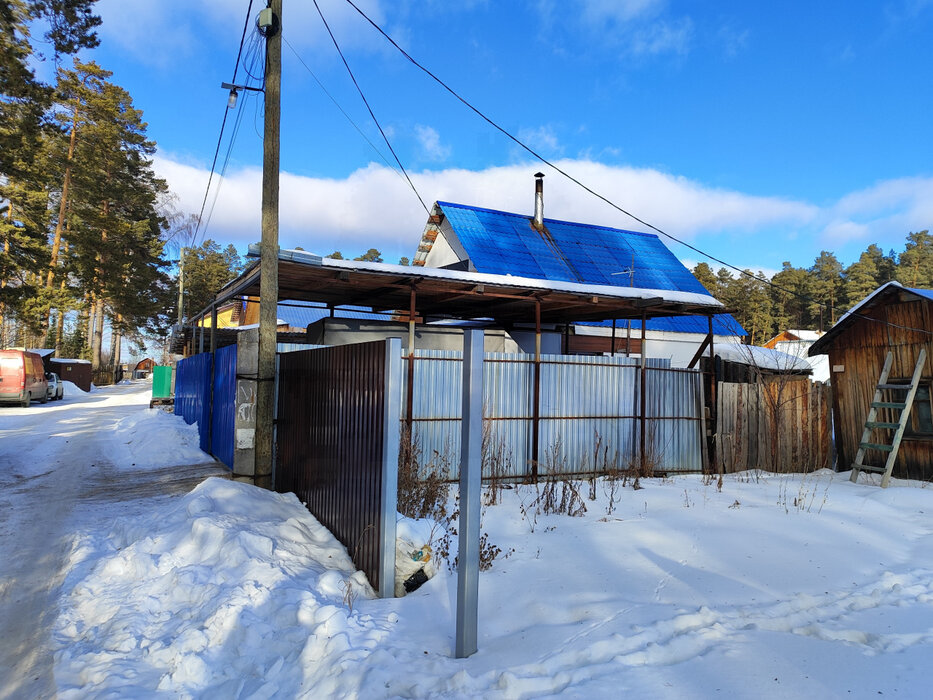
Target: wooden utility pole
[
  {"x": 269, "y": 248},
  {"x": 181, "y": 286}
]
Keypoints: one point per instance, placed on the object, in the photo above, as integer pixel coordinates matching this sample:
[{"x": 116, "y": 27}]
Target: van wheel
[
  {"x": 26, "y": 400},
  {"x": 44, "y": 398}
]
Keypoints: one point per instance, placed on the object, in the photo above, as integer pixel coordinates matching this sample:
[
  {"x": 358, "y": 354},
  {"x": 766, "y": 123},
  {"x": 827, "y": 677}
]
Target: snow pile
[
  {"x": 151, "y": 438},
  {"x": 773, "y": 586},
  {"x": 230, "y": 592},
  {"x": 72, "y": 388},
  {"x": 764, "y": 358},
  {"x": 414, "y": 555}
]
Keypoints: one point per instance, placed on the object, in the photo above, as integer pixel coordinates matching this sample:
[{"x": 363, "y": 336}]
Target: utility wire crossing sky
[{"x": 757, "y": 134}]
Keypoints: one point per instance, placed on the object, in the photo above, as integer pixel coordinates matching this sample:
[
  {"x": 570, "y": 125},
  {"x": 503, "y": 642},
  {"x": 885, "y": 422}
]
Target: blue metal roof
[
  {"x": 927, "y": 293},
  {"x": 505, "y": 243},
  {"x": 303, "y": 316}
]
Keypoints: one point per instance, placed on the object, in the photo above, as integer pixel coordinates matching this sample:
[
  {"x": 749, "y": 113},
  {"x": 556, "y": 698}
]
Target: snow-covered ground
[
  {"x": 774, "y": 586},
  {"x": 80, "y": 465}
]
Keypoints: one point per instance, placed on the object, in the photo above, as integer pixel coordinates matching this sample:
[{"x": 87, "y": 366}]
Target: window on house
[{"x": 921, "y": 414}]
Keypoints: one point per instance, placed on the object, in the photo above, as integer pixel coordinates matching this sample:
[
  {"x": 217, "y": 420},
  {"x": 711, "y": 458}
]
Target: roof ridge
[{"x": 556, "y": 221}]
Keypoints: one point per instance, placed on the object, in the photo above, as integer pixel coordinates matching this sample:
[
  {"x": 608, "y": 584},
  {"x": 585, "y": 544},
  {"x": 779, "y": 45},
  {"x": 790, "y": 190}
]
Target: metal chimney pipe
[{"x": 538, "y": 220}]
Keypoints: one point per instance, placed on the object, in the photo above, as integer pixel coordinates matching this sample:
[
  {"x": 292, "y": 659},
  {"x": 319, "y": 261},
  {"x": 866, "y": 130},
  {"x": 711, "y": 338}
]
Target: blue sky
[{"x": 759, "y": 132}]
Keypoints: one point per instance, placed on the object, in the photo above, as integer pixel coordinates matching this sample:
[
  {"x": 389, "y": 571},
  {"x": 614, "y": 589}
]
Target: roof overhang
[
  {"x": 442, "y": 293},
  {"x": 863, "y": 310}
]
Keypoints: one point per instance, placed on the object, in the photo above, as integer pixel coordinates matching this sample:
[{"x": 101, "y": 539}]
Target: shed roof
[
  {"x": 455, "y": 294},
  {"x": 821, "y": 346},
  {"x": 506, "y": 243}
]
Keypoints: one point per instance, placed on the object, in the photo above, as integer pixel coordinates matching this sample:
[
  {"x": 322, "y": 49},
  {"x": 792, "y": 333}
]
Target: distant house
[
  {"x": 229, "y": 315},
  {"x": 798, "y": 343},
  {"x": 896, "y": 319},
  {"x": 473, "y": 239},
  {"x": 143, "y": 368}
]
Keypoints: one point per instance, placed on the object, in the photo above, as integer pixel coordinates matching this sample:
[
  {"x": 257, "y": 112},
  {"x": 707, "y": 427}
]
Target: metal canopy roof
[
  {"x": 506, "y": 243},
  {"x": 444, "y": 293}
]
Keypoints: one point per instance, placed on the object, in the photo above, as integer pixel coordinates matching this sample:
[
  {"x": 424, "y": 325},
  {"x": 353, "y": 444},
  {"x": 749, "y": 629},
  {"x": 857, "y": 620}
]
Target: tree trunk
[
  {"x": 63, "y": 204},
  {"x": 116, "y": 343},
  {"x": 97, "y": 338},
  {"x": 6, "y": 251},
  {"x": 90, "y": 305},
  {"x": 60, "y": 329}
]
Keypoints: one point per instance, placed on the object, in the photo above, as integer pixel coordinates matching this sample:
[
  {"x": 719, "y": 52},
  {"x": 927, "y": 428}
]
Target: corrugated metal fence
[
  {"x": 586, "y": 403},
  {"x": 194, "y": 396},
  {"x": 193, "y": 393},
  {"x": 222, "y": 432},
  {"x": 337, "y": 445}
]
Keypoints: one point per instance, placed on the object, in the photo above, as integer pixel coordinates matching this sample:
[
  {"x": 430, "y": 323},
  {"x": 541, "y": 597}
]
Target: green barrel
[{"x": 161, "y": 382}]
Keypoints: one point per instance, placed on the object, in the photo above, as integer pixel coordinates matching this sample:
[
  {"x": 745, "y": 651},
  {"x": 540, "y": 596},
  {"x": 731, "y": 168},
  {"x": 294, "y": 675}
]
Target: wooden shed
[
  {"x": 76, "y": 371},
  {"x": 892, "y": 318}
]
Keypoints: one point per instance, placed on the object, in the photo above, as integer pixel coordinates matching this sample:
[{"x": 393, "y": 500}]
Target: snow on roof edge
[
  {"x": 528, "y": 282},
  {"x": 765, "y": 358}
]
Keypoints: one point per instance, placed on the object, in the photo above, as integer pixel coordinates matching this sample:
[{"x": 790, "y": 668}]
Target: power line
[
  {"x": 223, "y": 169},
  {"x": 585, "y": 187},
  {"x": 366, "y": 102},
  {"x": 223, "y": 124},
  {"x": 251, "y": 60},
  {"x": 337, "y": 105}
]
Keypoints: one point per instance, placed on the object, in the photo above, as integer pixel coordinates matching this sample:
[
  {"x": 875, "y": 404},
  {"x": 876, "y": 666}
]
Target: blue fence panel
[
  {"x": 222, "y": 435},
  {"x": 193, "y": 392}
]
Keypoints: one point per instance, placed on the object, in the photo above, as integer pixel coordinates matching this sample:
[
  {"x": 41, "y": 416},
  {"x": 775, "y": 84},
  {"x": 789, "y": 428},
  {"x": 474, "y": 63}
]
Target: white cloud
[
  {"x": 732, "y": 39},
  {"x": 663, "y": 37},
  {"x": 167, "y": 32},
  {"x": 430, "y": 142},
  {"x": 542, "y": 139},
  {"x": 635, "y": 27},
  {"x": 373, "y": 206},
  {"x": 600, "y": 11},
  {"x": 875, "y": 213}
]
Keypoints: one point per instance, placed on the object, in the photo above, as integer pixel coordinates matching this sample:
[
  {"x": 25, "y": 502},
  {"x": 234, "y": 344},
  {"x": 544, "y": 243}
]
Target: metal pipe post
[
  {"x": 536, "y": 398},
  {"x": 471, "y": 464},
  {"x": 409, "y": 397},
  {"x": 643, "y": 393},
  {"x": 390, "y": 450}
]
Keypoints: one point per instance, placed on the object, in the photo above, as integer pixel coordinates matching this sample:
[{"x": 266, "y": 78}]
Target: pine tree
[
  {"x": 115, "y": 230},
  {"x": 24, "y": 105},
  {"x": 915, "y": 265},
  {"x": 371, "y": 255},
  {"x": 207, "y": 269},
  {"x": 749, "y": 295},
  {"x": 825, "y": 288},
  {"x": 861, "y": 278},
  {"x": 704, "y": 274}
]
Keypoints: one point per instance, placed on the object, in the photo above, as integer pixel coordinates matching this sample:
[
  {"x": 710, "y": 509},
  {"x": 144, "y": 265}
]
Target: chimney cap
[{"x": 539, "y": 174}]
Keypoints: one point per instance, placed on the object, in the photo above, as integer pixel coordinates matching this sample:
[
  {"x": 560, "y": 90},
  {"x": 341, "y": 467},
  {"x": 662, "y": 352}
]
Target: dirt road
[{"x": 56, "y": 476}]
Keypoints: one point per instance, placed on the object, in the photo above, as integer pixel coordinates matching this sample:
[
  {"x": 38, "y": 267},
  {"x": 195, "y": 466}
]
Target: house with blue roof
[{"x": 474, "y": 239}]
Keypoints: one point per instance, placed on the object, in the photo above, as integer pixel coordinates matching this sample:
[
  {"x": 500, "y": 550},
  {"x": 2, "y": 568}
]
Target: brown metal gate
[{"x": 337, "y": 445}]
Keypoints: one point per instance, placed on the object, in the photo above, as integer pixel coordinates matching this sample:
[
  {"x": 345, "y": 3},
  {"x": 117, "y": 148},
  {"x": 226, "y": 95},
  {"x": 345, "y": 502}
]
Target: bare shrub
[
  {"x": 445, "y": 545},
  {"x": 422, "y": 490},
  {"x": 497, "y": 463}
]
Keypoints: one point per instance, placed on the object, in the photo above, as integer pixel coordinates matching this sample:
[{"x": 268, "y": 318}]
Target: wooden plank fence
[{"x": 777, "y": 426}]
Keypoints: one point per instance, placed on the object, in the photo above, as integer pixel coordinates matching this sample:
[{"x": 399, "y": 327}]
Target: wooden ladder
[{"x": 899, "y": 406}]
